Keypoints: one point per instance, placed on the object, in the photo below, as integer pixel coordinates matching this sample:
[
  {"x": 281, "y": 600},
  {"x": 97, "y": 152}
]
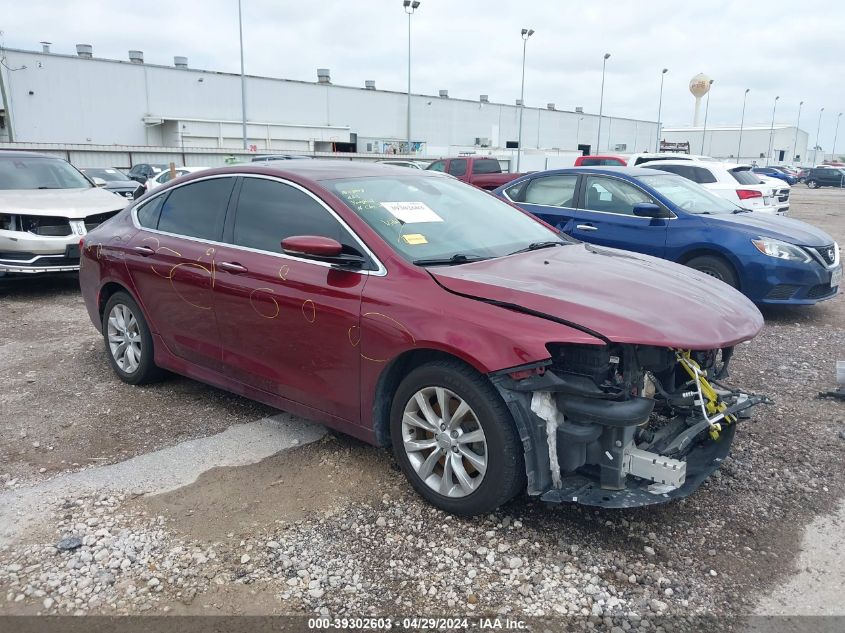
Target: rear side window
[
  {"x": 702, "y": 175},
  {"x": 197, "y": 209},
  {"x": 487, "y": 166},
  {"x": 149, "y": 211},
  {"x": 270, "y": 211},
  {"x": 458, "y": 167},
  {"x": 552, "y": 191},
  {"x": 744, "y": 176}
]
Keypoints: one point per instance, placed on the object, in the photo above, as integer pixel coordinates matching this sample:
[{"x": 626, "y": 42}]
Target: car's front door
[
  {"x": 171, "y": 262},
  {"x": 606, "y": 216},
  {"x": 286, "y": 322}
]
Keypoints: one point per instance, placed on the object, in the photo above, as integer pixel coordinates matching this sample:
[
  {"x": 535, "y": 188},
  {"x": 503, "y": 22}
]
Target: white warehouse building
[
  {"x": 789, "y": 144},
  {"x": 82, "y": 99}
]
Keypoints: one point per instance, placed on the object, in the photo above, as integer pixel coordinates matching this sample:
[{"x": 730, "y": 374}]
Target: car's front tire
[
  {"x": 129, "y": 344},
  {"x": 468, "y": 461},
  {"x": 812, "y": 184},
  {"x": 715, "y": 267}
]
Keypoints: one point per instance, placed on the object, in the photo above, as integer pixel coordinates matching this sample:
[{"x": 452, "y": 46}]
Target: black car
[
  {"x": 144, "y": 171},
  {"x": 825, "y": 177},
  {"x": 116, "y": 181}
]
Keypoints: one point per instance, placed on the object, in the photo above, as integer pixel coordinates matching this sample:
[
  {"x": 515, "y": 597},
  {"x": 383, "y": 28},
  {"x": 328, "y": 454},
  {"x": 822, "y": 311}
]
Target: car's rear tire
[
  {"x": 469, "y": 463},
  {"x": 715, "y": 267},
  {"x": 812, "y": 184},
  {"x": 129, "y": 344}
]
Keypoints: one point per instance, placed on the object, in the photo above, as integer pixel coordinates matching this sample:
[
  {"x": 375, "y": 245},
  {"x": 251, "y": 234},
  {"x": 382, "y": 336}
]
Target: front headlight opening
[{"x": 781, "y": 250}]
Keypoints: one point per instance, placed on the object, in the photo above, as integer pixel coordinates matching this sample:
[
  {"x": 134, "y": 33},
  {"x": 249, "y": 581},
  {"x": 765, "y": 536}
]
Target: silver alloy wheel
[
  {"x": 444, "y": 442},
  {"x": 124, "y": 338}
]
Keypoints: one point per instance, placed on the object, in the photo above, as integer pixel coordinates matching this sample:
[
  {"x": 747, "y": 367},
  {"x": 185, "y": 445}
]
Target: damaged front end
[{"x": 623, "y": 425}]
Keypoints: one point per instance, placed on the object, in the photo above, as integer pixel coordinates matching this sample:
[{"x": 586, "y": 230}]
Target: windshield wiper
[
  {"x": 457, "y": 258},
  {"x": 536, "y": 246},
  {"x": 740, "y": 210}
]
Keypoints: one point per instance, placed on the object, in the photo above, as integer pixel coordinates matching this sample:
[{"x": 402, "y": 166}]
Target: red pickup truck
[{"x": 485, "y": 173}]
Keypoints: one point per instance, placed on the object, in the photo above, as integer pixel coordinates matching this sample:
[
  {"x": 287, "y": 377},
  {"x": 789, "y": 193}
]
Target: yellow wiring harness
[{"x": 708, "y": 399}]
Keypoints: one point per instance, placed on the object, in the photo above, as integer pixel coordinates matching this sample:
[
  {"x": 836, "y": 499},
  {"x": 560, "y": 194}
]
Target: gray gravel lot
[{"x": 332, "y": 528}]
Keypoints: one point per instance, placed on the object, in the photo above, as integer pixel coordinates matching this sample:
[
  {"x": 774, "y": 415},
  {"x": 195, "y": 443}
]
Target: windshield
[
  {"x": 689, "y": 196},
  {"x": 37, "y": 172},
  {"x": 433, "y": 218},
  {"x": 106, "y": 174}
]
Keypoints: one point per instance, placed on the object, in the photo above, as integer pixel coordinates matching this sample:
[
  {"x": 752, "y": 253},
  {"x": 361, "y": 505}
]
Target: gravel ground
[{"x": 331, "y": 528}]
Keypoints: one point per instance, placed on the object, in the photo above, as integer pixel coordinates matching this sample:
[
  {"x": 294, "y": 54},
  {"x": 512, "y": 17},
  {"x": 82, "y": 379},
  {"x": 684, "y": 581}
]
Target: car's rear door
[
  {"x": 171, "y": 262},
  {"x": 605, "y": 216},
  {"x": 285, "y": 322},
  {"x": 551, "y": 198}
]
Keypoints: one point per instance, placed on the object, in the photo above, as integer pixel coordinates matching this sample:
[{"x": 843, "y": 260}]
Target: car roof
[
  {"x": 619, "y": 170},
  {"x": 701, "y": 163},
  {"x": 15, "y": 153},
  {"x": 327, "y": 169}
]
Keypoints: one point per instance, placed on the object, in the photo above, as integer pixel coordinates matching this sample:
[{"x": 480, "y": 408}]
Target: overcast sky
[{"x": 775, "y": 47}]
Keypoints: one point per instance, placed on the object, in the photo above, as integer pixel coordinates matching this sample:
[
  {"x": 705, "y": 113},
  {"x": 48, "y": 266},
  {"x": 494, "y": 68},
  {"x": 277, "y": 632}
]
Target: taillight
[{"x": 745, "y": 194}]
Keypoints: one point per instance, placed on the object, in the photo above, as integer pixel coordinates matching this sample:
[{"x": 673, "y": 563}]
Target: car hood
[
  {"x": 778, "y": 227},
  {"x": 623, "y": 297},
  {"x": 65, "y": 203}
]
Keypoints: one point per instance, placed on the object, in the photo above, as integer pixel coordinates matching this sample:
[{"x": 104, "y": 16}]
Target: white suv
[
  {"x": 731, "y": 181},
  {"x": 46, "y": 206}
]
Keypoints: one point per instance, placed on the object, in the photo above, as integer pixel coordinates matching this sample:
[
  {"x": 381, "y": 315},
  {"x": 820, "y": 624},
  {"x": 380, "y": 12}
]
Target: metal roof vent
[
  {"x": 180, "y": 62},
  {"x": 324, "y": 76},
  {"x": 579, "y": 109},
  {"x": 86, "y": 51},
  {"x": 550, "y": 106},
  {"x": 484, "y": 99},
  {"x": 45, "y": 46},
  {"x": 444, "y": 94},
  {"x": 519, "y": 102},
  {"x": 136, "y": 57},
  {"x": 370, "y": 84}
]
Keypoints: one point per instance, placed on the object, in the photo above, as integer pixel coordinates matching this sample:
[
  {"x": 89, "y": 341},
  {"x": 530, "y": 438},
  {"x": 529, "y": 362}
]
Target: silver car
[{"x": 46, "y": 205}]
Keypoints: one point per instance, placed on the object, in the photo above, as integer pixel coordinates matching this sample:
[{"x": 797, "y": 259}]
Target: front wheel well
[
  {"x": 106, "y": 293},
  {"x": 708, "y": 252},
  {"x": 389, "y": 381}
]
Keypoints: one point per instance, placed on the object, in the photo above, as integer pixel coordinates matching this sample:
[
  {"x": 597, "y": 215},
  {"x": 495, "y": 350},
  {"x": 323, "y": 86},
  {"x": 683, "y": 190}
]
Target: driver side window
[{"x": 610, "y": 195}]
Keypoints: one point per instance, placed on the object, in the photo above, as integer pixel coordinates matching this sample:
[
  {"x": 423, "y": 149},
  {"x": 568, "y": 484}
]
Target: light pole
[
  {"x": 706, "y": 111},
  {"x": 601, "y": 101},
  {"x": 795, "y": 142},
  {"x": 741, "y": 124},
  {"x": 526, "y": 33},
  {"x": 816, "y": 147},
  {"x": 835, "y": 134},
  {"x": 410, "y": 7},
  {"x": 772, "y": 131},
  {"x": 578, "y": 132},
  {"x": 659, "y": 110},
  {"x": 243, "y": 79}
]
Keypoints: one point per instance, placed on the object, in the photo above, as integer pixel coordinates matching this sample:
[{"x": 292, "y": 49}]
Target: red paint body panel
[
  {"x": 653, "y": 302},
  {"x": 483, "y": 181},
  {"x": 601, "y": 159},
  {"x": 315, "y": 340}
]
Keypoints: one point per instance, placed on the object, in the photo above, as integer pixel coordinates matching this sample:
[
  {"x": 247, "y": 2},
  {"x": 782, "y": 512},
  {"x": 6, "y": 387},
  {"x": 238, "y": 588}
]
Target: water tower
[{"x": 699, "y": 86}]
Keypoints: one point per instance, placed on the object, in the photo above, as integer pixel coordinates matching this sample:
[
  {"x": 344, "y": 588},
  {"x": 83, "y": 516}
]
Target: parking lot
[{"x": 328, "y": 525}]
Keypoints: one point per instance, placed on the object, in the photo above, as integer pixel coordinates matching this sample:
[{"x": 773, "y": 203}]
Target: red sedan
[{"x": 494, "y": 354}]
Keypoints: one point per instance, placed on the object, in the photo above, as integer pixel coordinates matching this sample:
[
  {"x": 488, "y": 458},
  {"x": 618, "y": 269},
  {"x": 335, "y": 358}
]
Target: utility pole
[
  {"x": 601, "y": 101},
  {"x": 243, "y": 78},
  {"x": 526, "y": 33}
]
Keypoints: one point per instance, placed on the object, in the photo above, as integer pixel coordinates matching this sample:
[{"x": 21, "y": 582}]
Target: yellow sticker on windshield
[{"x": 415, "y": 238}]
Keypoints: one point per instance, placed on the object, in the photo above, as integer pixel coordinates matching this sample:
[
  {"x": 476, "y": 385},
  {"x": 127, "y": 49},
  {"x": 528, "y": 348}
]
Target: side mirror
[
  {"x": 649, "y": 210},
  {"x": 322, "y": 249},
  {"x": 98, "y": 182},
  {"x": 139, "y": 178}
]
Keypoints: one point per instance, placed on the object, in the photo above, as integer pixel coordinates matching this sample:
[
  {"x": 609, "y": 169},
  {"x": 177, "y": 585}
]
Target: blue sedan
[
  {"x": 774, "y": 172},
  {"x": 772, "y": 260}
]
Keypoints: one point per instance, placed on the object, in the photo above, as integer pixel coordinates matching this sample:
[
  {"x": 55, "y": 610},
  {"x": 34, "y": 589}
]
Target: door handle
[
  {"x": 144, "y": 251},
  {"x": 586, "y": 227},
  {"x": 232, "y": 267}
]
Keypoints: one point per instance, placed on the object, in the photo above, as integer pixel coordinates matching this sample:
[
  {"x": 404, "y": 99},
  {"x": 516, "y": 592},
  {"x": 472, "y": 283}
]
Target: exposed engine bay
[{"x": 623, "y": 425}]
